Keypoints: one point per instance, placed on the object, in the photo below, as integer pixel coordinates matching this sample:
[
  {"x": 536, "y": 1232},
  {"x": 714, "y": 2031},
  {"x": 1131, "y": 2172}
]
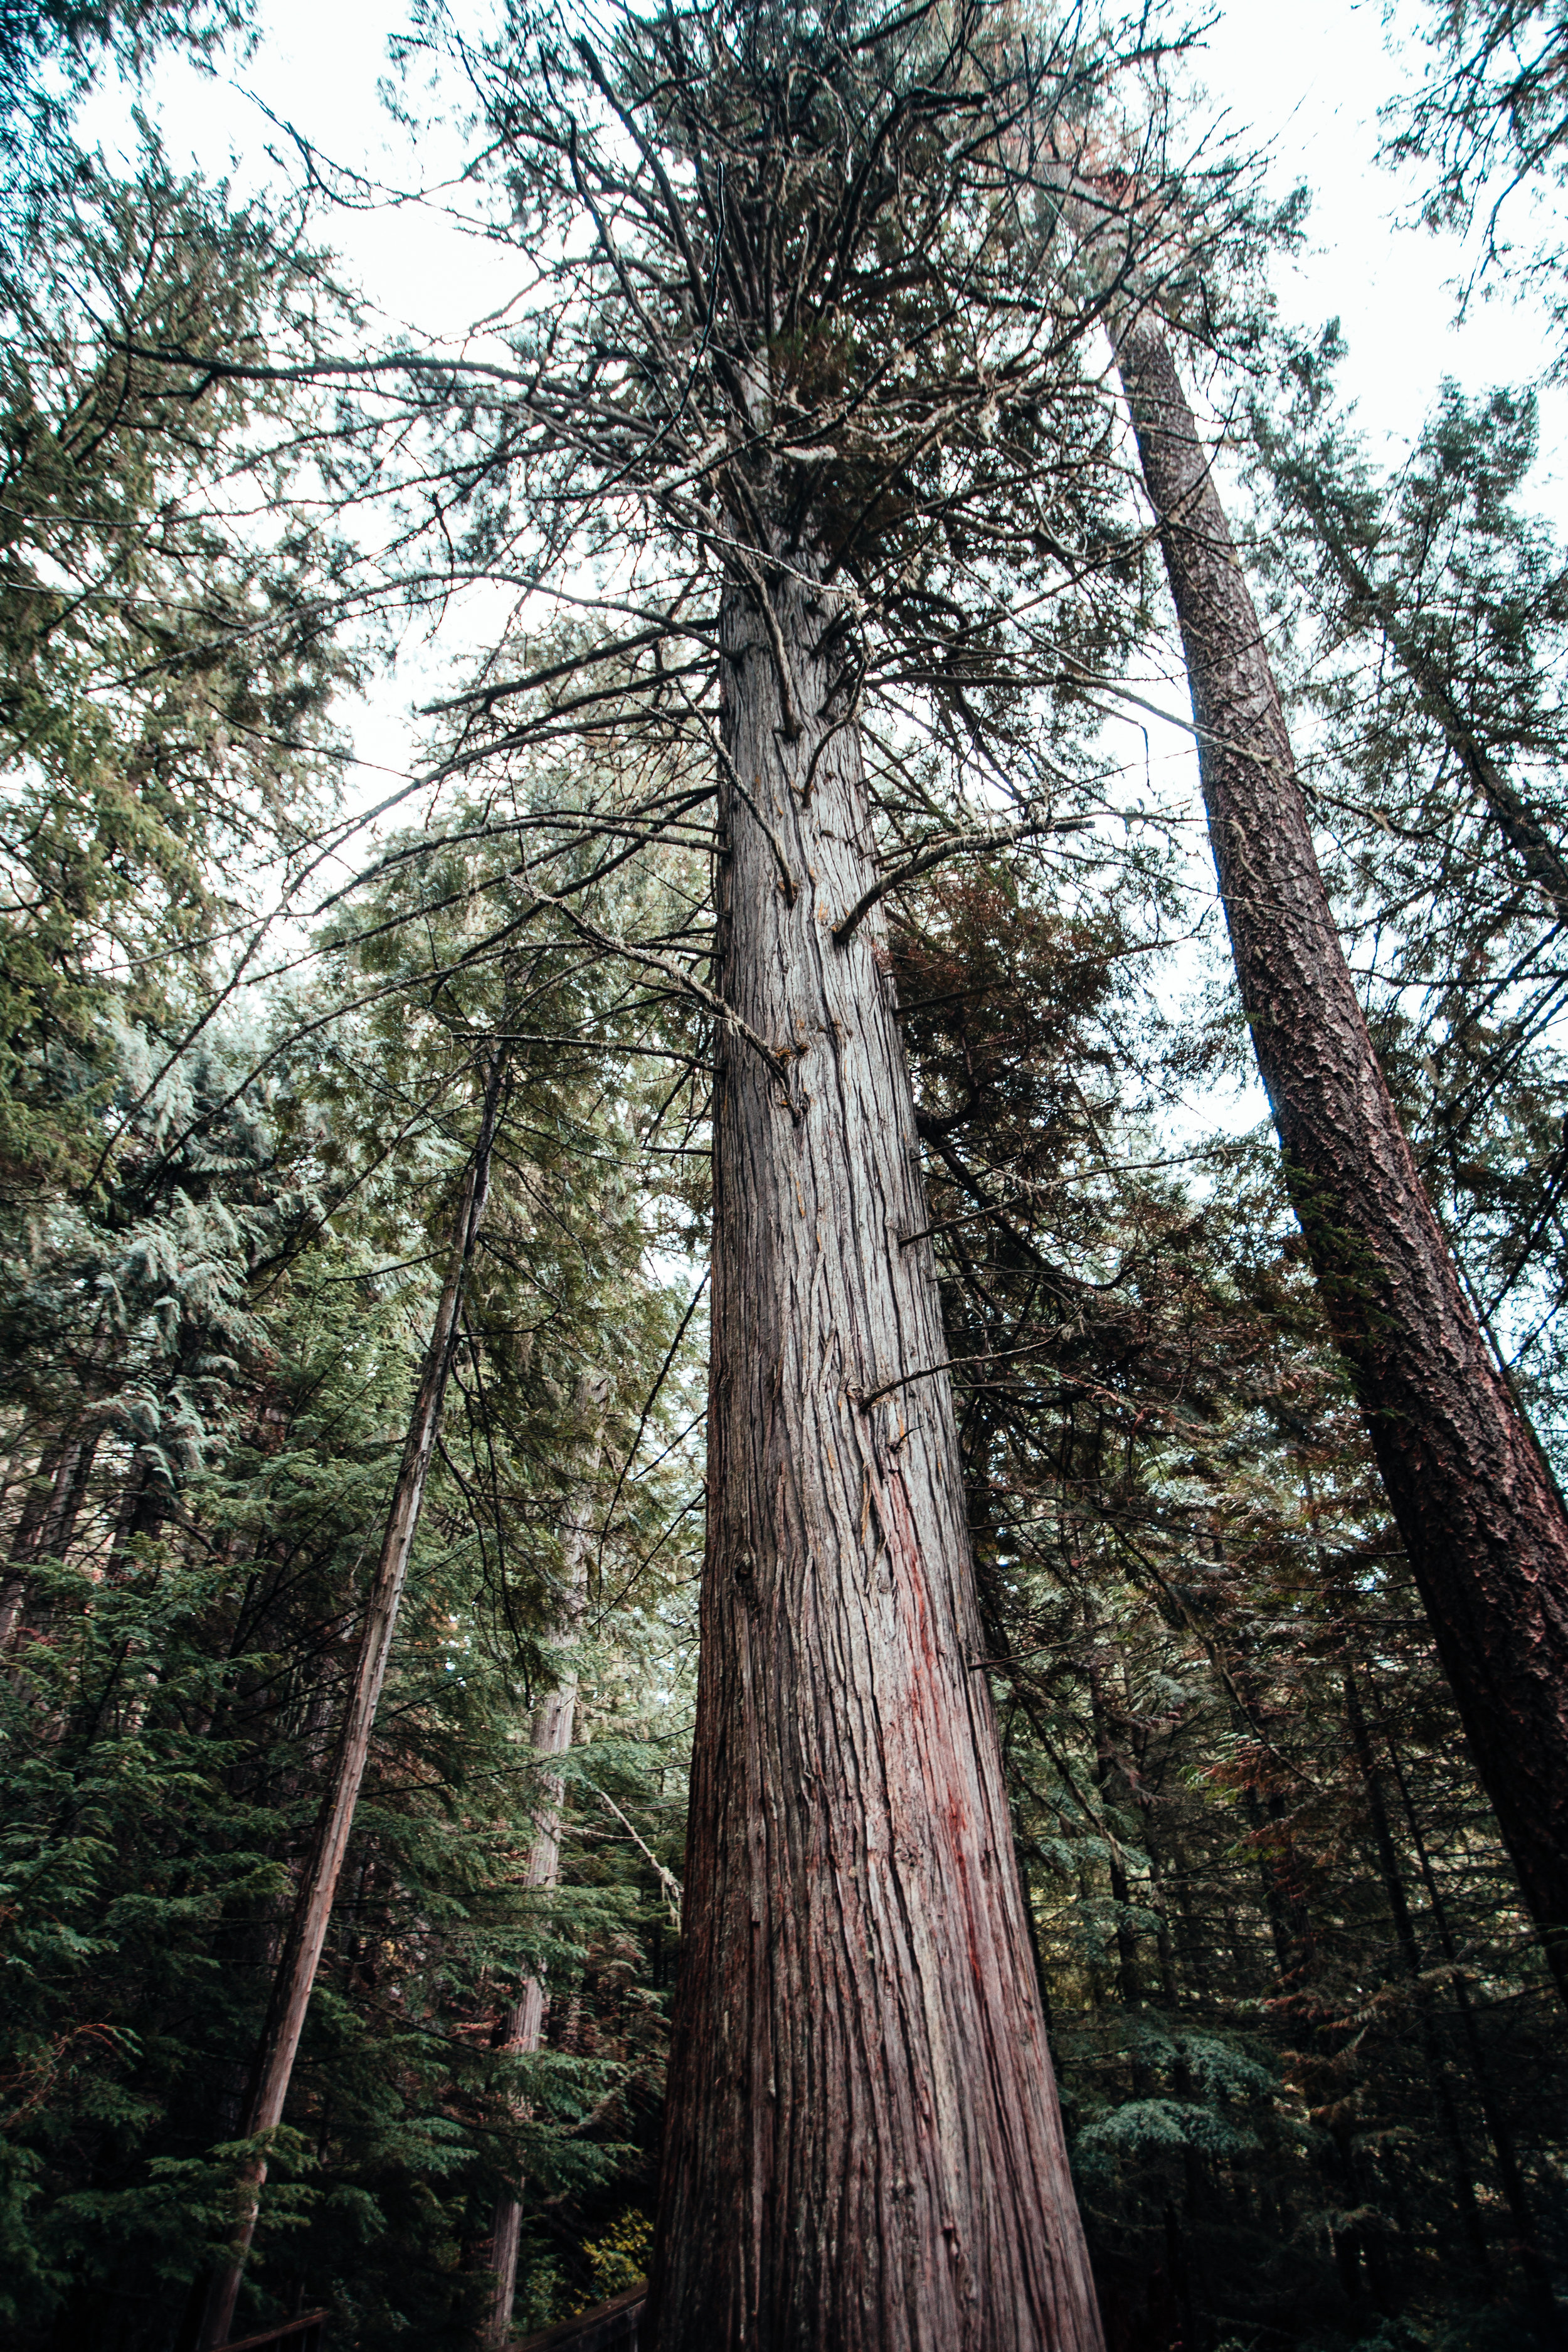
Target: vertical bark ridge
[
  {"x": 860, "y": 2047},
  {"x": 1479, "y": 1512}
]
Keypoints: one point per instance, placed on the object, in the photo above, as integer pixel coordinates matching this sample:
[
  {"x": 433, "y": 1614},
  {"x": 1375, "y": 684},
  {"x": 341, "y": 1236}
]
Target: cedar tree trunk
[
  {"x": 863, "y": 2151},
  {"x": 296, "y": 1974},
  {"x": 1482, "y": 1520}
]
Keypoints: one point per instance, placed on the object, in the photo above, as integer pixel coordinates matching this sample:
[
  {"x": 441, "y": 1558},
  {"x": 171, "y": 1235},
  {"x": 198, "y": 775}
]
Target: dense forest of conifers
[{"x": 672, "y": 1527}]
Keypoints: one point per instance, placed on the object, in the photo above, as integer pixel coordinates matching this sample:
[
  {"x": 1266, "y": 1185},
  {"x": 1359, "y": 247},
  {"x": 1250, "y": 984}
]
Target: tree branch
[{"x": 934, "y": 855}]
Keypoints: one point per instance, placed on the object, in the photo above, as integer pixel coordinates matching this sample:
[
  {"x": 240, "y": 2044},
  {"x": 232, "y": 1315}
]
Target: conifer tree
[
  {"x": 1419, "y": 624},
  {"x": 1473, "y": 1494},
  {"x": 1477, "y": 1505},
  {"x": 782, "y": 381}
]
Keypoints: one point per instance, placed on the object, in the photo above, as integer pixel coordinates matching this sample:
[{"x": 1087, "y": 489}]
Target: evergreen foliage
[
  {"x": 1312, "y": 2069},
  {"x": 1485, "y": 120},
  {"x": 1425, "y": 617},
  {"x": 1311, "y": 2060}
]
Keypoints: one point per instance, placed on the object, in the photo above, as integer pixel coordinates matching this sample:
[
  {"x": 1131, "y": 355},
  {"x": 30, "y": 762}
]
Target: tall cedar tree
[
  {"x": 791, "y": 366},
  {"x": 1478, "y": 1509}
]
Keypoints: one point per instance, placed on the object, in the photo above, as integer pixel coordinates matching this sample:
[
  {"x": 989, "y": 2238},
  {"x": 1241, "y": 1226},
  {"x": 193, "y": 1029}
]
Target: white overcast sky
[{"x": 1303, "y": 78}]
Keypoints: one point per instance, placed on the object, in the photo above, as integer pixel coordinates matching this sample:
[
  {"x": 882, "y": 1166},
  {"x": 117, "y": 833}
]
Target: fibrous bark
[
  {"x": 1480, "y": 1514},
  {"x": 863, "y": 2151}
]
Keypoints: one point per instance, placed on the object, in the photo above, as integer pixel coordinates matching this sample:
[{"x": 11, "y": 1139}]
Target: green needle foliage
[
  {"x": 1424, "y": 621},
  {"x": 177, "y": 1679}
]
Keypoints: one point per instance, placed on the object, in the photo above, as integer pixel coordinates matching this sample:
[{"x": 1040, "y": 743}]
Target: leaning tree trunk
[
  {"x": 554, "y": 1720},
  {"x": 1482, "y": 1520},
  {"x": 863, "y": 2151},
  {"x": 295, "y": 1976}
]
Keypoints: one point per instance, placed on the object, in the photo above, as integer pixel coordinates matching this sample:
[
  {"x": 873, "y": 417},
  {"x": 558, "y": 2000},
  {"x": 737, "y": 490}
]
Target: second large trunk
[{"x": 1481, "y": 1515}]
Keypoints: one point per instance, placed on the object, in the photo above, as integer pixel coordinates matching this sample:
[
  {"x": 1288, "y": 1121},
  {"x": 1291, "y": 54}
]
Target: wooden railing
[
  {"x": 301, "y": 2335},
  {"x": 608, "y": 2328}
]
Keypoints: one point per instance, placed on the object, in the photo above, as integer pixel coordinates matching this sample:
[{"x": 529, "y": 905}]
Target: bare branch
[{"x": 937, "y": 852}]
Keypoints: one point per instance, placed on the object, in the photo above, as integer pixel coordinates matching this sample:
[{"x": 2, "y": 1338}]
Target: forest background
[{"x": 1308, "y": 2048}]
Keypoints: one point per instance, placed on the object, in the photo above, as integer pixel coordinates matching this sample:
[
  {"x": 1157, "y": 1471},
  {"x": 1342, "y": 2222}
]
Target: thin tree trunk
[
  {"x": 1481, "y": 1517},
  {"x": 1518, "y": 823},
  {"x": 1538, "y": 2276},
  {"x": 296, "y": 1974},
  {"x": 862, "y": 2146},
  {"x": 48, "y": 1520},
  {"x": 1448, "y": 2114},
  {"x": 1128, "y": 1984},
  {"x": 553, "y": 1721}
]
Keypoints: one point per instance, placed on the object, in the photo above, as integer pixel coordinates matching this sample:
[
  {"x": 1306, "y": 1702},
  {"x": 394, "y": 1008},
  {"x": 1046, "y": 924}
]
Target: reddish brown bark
[
  {"x": 1482, "y": 1521},
  {"x": 863, "y": 2151}
]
